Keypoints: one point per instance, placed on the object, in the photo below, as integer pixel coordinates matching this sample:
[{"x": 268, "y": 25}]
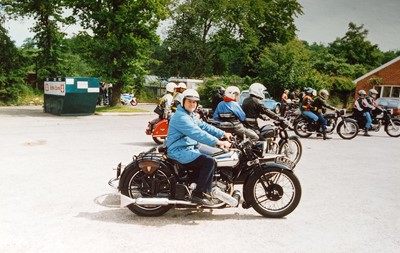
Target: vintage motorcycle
[
  {"x": 384, "y": 119},
  {"x": 152, "y": 184},
  {"x": 275, "y": 137},
  {"x": 127, "y": 98},
  {"x": 347, "y": 128}
]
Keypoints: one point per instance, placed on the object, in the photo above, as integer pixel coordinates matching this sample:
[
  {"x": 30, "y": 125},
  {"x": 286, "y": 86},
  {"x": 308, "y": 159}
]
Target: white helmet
[
  {"x": 372, "y": 92},
  {"x": 232, "y": 92},
  {"x": 182, "y": 85},
  {"x": 170, "y": 87},
  {"x": 257, "y": 89},
  {"x": 190, "y": 94},
  {"x": 324, "y": 94}
]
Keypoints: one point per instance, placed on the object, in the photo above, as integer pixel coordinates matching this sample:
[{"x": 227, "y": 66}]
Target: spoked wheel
[
  {"x": 291, "y": 148},
  {"x": 158, "y": 140},
  {"x": 274, "y": 192},
  {"x": 393, "y": 128},
  {"x": 347, "y": 129},
  {"x": 141, "y": 185},
  {"x": 300, "y": 128}
]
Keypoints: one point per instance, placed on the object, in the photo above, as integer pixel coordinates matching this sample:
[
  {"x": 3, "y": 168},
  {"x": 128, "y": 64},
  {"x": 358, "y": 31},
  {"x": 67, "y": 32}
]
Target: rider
[
  {"x": 371, "y": 99},
  {"x": 167, "y": 99},
  {"x": 362, "y": 109},
  {"x": 181, "y": 87},
  {"x": 230, "y": 111},
  {"x": 318, "y": 106},
  {"x": 306, "y": 107},
  {"x": 254, "y": 108},
  {"x": 185, "y": 132},
  {"x": 218, "y": 97}
]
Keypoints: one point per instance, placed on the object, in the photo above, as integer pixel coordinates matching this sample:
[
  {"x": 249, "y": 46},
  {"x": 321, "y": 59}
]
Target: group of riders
[{"x": 186, "y": 130}]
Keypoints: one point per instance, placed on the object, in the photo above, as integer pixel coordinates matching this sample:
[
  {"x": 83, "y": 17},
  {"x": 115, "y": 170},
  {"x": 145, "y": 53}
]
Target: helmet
[
  {"x": 314, "y": 92},
  {"x": 221, "y": 90},
  {"x": 232, "y": 92},
  {"x": 190, "y": 94},
  {"x": 170, "y": 87},
  {"x": 372, "y": 92},
  {"x": 308, "y": 91},
  {"x": 324, "y": 94},
  {"x": 257, "y": 90},
  {"x": 362, "y": 92},
  {"x": 181, "y": 85}
]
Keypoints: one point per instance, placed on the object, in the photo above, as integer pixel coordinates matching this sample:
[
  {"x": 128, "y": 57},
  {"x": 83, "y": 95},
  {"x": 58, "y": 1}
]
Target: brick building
[{"x": 385, "y": 79}]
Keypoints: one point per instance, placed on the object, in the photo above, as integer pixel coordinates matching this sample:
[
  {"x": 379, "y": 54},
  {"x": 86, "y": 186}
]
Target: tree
[
  {"x": 356, "y": 49},
  {"x": 48, "y": 38},
  {"x": 124, "y": 32},
  {"x": 284, "y": 66}
]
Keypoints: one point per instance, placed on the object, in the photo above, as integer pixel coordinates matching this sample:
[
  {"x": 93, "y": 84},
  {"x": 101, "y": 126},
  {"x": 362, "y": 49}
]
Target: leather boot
[
  {"x": 325, "y": 136},
  {"x": 366, "y": 132}
]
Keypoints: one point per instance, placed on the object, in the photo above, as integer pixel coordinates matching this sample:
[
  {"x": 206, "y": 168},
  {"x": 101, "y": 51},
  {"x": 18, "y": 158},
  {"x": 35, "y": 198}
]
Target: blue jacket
[
  {"x": 230, "y": 107},
  {"x": 185, "y": 132}
]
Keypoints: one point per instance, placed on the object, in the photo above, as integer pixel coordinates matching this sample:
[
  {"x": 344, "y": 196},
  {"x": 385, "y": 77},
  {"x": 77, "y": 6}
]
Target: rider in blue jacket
[
  {"x": 185, "y": 132},
  {"x": 229, "y": 110}
]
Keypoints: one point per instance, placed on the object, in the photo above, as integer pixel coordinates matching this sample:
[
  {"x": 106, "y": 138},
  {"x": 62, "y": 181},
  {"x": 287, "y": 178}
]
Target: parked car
[
  {"x": 390, "y": 103},
  {"x": 268, "y": 101}
]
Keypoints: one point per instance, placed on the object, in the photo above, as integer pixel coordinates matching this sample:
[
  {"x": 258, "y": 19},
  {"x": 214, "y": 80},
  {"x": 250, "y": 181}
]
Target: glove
[{"x": 263, "y": 117}]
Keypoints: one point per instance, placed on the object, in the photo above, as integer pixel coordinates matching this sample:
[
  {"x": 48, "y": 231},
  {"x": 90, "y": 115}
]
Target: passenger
[
  {"x": 319, "y": 106},
  {"x": 362, "y": 109},
  {"x": 230, "y": 111},
  {"x": 185, "y": 132}
]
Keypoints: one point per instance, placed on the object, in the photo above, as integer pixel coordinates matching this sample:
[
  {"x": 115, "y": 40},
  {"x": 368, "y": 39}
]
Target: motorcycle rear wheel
[
  {"x": 139, "y": 184},
  {"x": 347, "y": 129},
  {"x": 300, "y": 128},
  {"x": 291, "y": 148},
  {"x": 393, "y": 130},
  {"x": 274, "y": 193}
]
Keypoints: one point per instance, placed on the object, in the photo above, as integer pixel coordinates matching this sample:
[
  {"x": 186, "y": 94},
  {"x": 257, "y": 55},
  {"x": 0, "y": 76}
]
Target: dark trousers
[{"x": 204, "y": 167}]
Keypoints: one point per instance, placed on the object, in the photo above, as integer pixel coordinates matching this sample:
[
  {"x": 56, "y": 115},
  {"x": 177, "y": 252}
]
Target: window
[{"x": 395, "y": 92}]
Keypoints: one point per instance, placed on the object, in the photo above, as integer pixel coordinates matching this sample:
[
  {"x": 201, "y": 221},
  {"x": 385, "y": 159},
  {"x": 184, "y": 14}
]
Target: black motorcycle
[
  {"x": 384, "y": 119},
  {"x": 274, "y": 139},
  {"x": 347, "y": 128},
  {"x": 152, "y": 183}
]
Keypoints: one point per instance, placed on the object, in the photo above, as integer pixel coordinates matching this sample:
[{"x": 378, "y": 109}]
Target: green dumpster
[{"x": 71, "y": 96}]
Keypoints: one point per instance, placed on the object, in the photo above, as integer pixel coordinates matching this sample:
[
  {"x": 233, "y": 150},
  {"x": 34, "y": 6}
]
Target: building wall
[{"x": 390, "y": 76}]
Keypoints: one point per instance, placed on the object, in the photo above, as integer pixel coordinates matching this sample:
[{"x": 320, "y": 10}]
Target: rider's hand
[
  {"x": 224, "y": 144},
  {"x": 228, "y": 136}
]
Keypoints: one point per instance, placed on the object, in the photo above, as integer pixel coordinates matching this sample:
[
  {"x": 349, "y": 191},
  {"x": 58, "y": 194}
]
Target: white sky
[{"x": 323, "y": 21}]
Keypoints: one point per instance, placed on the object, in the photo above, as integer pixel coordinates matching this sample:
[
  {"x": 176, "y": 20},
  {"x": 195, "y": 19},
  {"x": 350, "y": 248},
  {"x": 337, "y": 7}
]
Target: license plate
[{"x": 285, "y": 161}]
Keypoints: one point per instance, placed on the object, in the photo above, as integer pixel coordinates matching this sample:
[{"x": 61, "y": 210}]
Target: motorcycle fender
[
  {"x": 124, "y": 174},
  {"x": 350, "y": 120},
  {"x": 255, "y": 172},
  {"x": 161, "y": 129}
]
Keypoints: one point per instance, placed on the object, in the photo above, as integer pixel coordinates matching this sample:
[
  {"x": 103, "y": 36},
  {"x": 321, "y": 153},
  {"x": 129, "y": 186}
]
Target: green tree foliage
[
  {"x": 225, "y": 38},
  {"x": 48, "y": 38},
  {"x": 284, "y": 66},
  {"x": 356, "y": 49},
  {"x": 124, "y": 32}
]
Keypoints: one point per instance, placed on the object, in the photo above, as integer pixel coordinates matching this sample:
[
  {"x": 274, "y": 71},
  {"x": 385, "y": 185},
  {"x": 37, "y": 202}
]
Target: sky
[{"x": 322, "y": 22}]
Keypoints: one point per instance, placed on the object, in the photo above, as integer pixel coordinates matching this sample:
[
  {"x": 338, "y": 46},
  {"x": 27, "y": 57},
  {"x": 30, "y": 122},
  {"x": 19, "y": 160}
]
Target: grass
[{"x": 118, "y": 109}]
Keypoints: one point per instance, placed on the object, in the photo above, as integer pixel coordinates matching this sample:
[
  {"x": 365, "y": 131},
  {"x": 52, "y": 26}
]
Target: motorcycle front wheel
[
  {"x": 134, "y": 102},
  {"x": 347, "y": 129},
  {"x": 300, "y": 128},
  {"x": 291, "y": 148},
  {"x": 393, "y": 128},
  {"x": 138, "y": 184},
  {"x": 274, "y": 193}
]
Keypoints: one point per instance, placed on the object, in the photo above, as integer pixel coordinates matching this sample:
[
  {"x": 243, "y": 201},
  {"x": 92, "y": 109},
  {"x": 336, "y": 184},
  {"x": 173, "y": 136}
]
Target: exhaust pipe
[{"x": 126, "y": 201}]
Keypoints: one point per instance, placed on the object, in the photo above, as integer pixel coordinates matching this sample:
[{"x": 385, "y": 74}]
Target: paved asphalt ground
[{"x": 54, "y": 195}]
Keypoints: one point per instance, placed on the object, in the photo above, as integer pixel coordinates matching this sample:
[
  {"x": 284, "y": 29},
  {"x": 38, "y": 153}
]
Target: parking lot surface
[{"x": 55, "y": 196}]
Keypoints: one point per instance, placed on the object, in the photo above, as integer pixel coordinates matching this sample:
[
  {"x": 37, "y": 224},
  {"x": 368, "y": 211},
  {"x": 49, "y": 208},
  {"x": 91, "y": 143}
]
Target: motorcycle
[
  {"x": 151, "y": 184},
  {"x": 347, "y": 128},
  {"x": 384, "y": 119},
  {"x": 127, "y": 98},
  {"x": 158, "y": 129},
  {"x": 289, "y": 146}
]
